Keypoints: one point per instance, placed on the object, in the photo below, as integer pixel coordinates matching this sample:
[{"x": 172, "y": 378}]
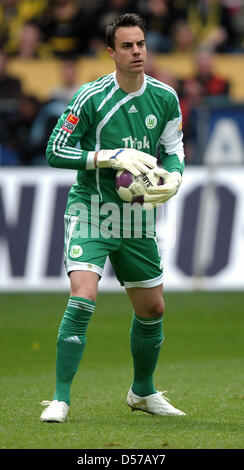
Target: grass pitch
[{"x": 201, "y": 367}]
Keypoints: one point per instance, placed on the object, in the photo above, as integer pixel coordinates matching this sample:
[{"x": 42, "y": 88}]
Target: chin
[{"x": 138, "y": 69}]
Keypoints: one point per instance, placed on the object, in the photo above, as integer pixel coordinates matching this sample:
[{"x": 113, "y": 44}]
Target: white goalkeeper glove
[
  {"x": 131, "y": 160},
  {"x": 159, "y": 194}
]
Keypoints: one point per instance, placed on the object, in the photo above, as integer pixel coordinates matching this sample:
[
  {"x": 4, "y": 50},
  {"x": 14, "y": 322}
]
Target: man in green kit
[{"x": 119, "y": 121}]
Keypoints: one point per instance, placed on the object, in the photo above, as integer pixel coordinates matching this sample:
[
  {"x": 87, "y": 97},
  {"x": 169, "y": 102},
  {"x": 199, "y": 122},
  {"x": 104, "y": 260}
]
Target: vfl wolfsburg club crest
[
  {"x": 151, "y": 121},
  {"x": 75, "y": 251}
]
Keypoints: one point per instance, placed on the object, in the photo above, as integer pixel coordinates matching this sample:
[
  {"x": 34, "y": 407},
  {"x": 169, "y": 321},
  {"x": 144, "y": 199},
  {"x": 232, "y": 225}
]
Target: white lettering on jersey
[{"x": 134, "y": 143}]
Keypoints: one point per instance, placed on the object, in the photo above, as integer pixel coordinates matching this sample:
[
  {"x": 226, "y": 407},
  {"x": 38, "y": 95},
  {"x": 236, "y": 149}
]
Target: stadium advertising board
[
  {"x": 218, "y": 134},
  {"x": 200, "y": 231}
]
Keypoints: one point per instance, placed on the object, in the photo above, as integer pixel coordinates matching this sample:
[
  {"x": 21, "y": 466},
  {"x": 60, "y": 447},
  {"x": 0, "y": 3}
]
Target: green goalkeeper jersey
[{"x": 103, "y": 116}]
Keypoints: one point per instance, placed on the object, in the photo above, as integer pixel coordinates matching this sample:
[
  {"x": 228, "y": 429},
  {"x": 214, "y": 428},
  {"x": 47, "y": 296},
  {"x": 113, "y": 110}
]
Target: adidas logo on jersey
[{"x": 133, "y": 109}]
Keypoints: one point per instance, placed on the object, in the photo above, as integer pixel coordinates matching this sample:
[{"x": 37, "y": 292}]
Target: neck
[{"x": 130, "y": 83}]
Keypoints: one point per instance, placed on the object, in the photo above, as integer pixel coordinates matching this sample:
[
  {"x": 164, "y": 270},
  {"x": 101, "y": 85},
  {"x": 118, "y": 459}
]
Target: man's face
[{"x": 129, "y": 53}]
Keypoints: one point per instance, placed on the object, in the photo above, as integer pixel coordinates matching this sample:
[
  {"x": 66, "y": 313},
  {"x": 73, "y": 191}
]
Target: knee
[
  {"x": 83, "y": 284},
  {"x": 84, "y": 293},
  {"x": 158, "y": 308},
  {"x": 155, "y": 309}
]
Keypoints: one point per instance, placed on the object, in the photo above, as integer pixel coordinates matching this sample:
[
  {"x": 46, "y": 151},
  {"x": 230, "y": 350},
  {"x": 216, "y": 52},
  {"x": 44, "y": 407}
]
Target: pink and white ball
[{"x": 132, "y": 188}]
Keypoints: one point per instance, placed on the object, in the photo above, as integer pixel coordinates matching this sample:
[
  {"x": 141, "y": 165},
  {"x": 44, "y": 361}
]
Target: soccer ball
[{"x": 132, "y": 188}]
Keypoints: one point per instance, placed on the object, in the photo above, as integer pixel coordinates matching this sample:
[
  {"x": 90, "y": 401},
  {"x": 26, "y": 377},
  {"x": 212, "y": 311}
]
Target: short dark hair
[{"x": 128, "y": 19}]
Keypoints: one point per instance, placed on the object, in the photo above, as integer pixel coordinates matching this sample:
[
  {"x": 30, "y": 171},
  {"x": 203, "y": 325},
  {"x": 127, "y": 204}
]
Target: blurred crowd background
[{"x": 58, "y": 44}]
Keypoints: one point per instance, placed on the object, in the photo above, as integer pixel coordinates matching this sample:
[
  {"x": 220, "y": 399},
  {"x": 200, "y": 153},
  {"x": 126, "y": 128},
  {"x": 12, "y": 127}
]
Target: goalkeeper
[{"x": 116, "y": 122}]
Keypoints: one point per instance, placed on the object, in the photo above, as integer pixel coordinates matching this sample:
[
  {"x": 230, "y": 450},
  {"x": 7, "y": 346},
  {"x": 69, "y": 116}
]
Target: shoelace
[
  {"x": 162, "y": 396},
  {"x": 48, "y": 402}
]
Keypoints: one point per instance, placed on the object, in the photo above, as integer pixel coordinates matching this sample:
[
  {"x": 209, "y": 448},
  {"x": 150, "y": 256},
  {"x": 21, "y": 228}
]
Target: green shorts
[{"x": 136, "y": 261}]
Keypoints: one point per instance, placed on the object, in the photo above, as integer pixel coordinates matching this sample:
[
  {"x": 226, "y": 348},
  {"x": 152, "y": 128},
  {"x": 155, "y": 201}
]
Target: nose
[{"x": 136, "y": 50}]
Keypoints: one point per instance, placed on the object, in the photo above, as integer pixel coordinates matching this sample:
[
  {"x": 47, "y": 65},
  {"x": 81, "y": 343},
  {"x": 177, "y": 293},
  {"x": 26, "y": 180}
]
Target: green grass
[{"x": 201, "y": 367}]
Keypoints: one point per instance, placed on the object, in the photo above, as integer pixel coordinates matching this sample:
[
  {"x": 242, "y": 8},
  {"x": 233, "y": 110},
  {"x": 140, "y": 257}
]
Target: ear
[{"x": 110, "y": 52}]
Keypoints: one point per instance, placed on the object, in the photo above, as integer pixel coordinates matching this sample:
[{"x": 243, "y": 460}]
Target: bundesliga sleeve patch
[{"x": 70, "y": 124}]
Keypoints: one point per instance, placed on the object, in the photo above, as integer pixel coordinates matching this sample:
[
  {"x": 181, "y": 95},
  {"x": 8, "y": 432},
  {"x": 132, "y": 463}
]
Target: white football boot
[
  {"x": 155, "y": 404},
  {"x": 56, "y": 411}
]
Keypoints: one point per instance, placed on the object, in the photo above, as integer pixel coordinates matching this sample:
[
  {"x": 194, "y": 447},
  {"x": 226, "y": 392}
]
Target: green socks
[
  {"x": 146, "y": 339},
  {"x": 71, "y": 343}
]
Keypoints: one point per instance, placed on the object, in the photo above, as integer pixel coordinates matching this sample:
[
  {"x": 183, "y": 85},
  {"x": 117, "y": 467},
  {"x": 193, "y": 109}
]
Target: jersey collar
[{"x": 135, "y": 93}]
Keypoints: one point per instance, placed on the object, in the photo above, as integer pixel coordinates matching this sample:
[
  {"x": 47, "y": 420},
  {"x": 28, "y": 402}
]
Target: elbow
[
  {"x": 51, "y": 159},
  {"x": 51, "y": 162}
]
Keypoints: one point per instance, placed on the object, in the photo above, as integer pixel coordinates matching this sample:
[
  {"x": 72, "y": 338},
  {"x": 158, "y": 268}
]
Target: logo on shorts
[
  {"x": 76, "y": 251},
  {"x": 151, "y": 121},
  {"x": 70, "y": 124}
]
